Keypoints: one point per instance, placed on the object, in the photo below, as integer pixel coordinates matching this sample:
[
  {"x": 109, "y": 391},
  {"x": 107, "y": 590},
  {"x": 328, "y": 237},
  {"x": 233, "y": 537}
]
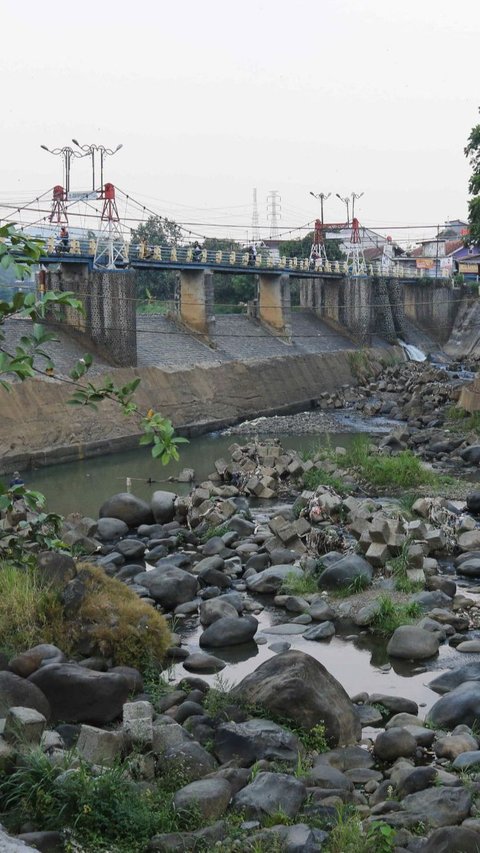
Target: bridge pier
[
  {"x": 274, "y": 302},
  {"x": 195, "y": 304},
  {"x": 109, "y": 321}
]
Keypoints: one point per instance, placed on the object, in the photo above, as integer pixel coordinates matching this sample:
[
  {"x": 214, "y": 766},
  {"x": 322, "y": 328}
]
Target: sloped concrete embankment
[{"x": 39, "y": 427}]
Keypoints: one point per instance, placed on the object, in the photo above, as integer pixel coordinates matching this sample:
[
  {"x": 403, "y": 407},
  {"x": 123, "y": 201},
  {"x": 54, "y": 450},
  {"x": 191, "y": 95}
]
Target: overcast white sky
[{"x": 213, "y": 98}]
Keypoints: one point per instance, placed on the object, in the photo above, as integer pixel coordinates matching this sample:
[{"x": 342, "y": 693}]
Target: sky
[{"x": 211, "y": 99}]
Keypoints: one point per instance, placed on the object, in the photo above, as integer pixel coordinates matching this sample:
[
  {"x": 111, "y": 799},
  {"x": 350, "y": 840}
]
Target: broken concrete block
[
  {"x": 377, "y": 554},
  {"x": 99, "y": 746},
  {"x": 138, "y": 724},
  {"x": 24, "y": 726}
]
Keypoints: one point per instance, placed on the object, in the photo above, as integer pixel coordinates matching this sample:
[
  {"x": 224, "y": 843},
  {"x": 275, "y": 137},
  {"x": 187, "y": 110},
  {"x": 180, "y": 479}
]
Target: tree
[
  {"x": 472, "y": 151},
  {"x": 230, "y": 289},
  {"x": 301, "y": 248},
  {"x": 156, "y": 231}
]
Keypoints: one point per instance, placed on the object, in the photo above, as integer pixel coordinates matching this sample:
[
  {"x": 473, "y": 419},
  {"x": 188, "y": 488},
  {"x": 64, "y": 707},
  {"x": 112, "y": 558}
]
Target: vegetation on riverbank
[{"x": 114, "y": 620}]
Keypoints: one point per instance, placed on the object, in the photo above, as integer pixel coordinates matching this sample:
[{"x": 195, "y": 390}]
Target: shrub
[
  {"x": 404, "y": 470},
  {"x": 30, "y": 609},
  {"x": 316, "y": 477},
  {"x": 97, "y": 809},
  {"x": 294, "y": 584},
  {"x": 391, "y": 615},
  {"x": 121, "y": 625},
  {"x": 111, "y": 615}
]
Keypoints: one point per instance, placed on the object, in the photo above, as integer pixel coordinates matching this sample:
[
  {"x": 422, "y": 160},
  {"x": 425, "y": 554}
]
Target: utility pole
[
  {"x": 274, "y": 213},
  {"x": 318, "y": 251},
  {"x": 255, "y": 229},
  {"x": 60, "y": 193}
]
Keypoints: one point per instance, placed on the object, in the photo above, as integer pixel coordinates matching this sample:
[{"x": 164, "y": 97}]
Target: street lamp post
[
  {"x": 66, "y": 153},
  {"x": 355, "y": 196},
  {"x": 322, "y": 197},
  {"x": 102, "y": 151},
  {"x": 346, "y": 201}
]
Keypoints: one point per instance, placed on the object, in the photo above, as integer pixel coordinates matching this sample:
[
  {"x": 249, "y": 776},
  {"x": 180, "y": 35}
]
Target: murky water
[{"x": 357, "y": 660}]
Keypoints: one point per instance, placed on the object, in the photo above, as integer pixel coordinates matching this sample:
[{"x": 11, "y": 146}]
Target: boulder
[
  {"x": 27, "y": 662},
  {"x": 216, "y": 608},
  {"x": 451, "y": 746},
  {"x": 245, "y": 743},
  {"x": 110, "y": 528},
  {"x": 412, "y": 643},
  {"x": 128, "y": 508},
  {"x": 270, "y": 793},
  {"x": 163, "y": 506},
  {"x": 470, "y": 540},
  {"x": 169, "y": 585},
  {"x": 439, "y": 806},
  {"x": 473, "y": 502},
  {"x": 199, "y": 662},
  {"x": 55, "y": 567},
  {"x": 461, "y": 706},
  {"x": 210, "y": 797},
  {"x": 79, "y": 695},
  {"x": 229, "y": 631},
  {"x": 322, "y": 631},
  {"x": 394, "y": 743},
  {"x": 454, "y": 677},
  {"x": 296, "y": 686},
  {"x": 344, "y": 571},
  {"x": 453, "y": 839},
  {"x": 21, "y": 693},
  {"x": 270, "y": 580}
]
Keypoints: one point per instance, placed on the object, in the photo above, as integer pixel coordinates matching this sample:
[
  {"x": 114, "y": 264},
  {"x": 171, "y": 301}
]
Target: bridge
[{"x": 354, "y": 297}]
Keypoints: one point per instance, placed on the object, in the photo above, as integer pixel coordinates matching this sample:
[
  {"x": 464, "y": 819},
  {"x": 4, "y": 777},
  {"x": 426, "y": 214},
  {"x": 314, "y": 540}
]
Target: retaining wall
[{"x": 38, "y": 427}]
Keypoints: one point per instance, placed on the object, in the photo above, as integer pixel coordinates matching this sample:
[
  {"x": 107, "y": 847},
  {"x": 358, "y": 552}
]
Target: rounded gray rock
[{"x": 411, "y": 643}]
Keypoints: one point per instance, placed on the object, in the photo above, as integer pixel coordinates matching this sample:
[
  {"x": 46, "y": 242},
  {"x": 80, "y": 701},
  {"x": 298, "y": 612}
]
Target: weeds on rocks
[
  {"x": 101, "y": 811},
  {"x": 404, "y": 470},
  {"x": 391, "y": 615},
  {"x": 348, "y": 835},
  {"x": 316, "y": 477},
  {"x": 294, "y": 584},
  {"x": 30, "y": 609}
]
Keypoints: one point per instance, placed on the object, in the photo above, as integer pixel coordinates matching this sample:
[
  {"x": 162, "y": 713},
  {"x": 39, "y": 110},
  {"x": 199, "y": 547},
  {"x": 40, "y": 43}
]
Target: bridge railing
[{"x": 264, "y": 259}]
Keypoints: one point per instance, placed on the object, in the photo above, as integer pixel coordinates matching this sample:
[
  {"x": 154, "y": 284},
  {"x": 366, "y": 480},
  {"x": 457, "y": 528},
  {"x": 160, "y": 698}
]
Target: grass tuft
[{"x": 392, "y": 615}]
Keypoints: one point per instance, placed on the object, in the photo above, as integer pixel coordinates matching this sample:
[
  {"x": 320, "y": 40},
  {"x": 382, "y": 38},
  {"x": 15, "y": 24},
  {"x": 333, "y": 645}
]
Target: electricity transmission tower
[{"x": 274, "y": 211}]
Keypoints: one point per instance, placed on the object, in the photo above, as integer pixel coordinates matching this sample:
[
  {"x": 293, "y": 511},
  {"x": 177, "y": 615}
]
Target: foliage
[
  {"x": 403, "y": 470},
  {"x": 462, "y": 421},
  {"x": 316, "y": 477},
  {"x": 30, "y": 609},
  {"x": 212, "y": 532},
  {"x": 156, "y": 231},
  {"x": 97, "y": 809},
  {"x": 18, "y": 251},
  {"x": 120, "y": 625},
  {"x": 360, "y": 364},
  {"x": 348, "y": 835},
  {"x": 294, "y": 584},
  {"x": 302, "y": 248},
  {"x": 391, "y": 615},
  {"x": 472, "y": 151}
]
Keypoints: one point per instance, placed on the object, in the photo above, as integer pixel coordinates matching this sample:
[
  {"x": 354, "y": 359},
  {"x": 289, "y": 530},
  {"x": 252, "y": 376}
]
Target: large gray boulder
[
  {"x": 270, "y": 793},
  {"x": 454, "y": 677},
  {"x": 270, "y": 580},
  {"x": 453, "y": 839},
  {"x": 412, "y": 643},
  {"x": 253, "y": 740},
  {"x": 460, "y": 706},
  {"x": 110, "y": 528},
  {"x": 229, "y": 631},
  {"x": 21, "y": 693},
  {"x": 439, "y": 806},
  {"x": 169, "y": 585},
  {"x": 345, "y": 571},
  {"x": 210, "y": 797},
  {"x": 295, "y": 686},
  {"x": 163, "y": 506},
  {"x": 80, "y": 695},
  {"x": 128, "y": 508},
  {"x": 216, "y": 608}
]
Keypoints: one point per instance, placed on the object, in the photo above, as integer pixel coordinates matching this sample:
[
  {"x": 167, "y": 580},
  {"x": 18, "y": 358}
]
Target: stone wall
[
  {"x": 345, "y": 304},
  {"x": 38, "y": 427},
  {"x": 109, "y": 322},
  {"x": 432, "y": 305}
]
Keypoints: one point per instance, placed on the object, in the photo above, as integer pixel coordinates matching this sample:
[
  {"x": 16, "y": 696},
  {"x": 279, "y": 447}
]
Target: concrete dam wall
[{"x": 39, "y": 427}]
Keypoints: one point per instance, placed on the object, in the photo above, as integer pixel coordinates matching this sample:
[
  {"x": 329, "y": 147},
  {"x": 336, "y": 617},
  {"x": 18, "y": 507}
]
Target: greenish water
[{"x": 83, "y": 486}]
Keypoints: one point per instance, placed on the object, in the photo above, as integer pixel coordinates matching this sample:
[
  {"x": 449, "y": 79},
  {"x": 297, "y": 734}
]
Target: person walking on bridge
[{"x": 64, "y": 239}]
